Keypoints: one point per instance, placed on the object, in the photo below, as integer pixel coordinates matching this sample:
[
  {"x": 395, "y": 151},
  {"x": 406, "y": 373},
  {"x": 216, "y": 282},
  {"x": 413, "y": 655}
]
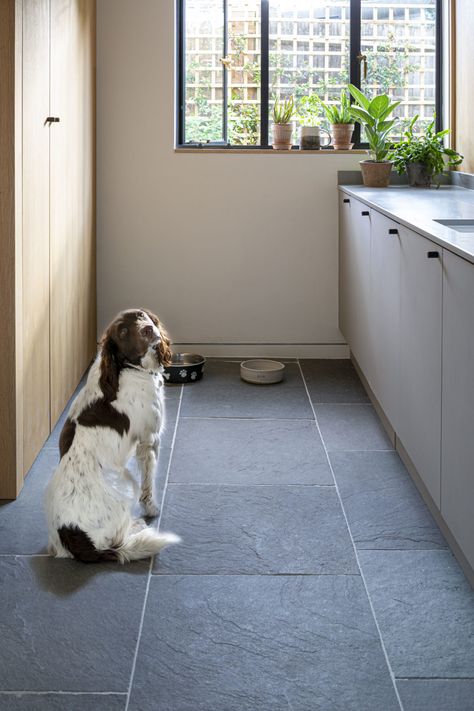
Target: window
[{"x": 236, "y": 56}]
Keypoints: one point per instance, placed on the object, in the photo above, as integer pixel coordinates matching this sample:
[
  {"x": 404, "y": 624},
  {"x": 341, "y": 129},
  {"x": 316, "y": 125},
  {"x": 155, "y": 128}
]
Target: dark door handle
[
  {"x": 432, "y": 255},
  {"x": 52, "y": 119},
  {"x": 365, "y": 213},
  {"x": 393, "y": 231},
  {"x": 346, "y": 200}
]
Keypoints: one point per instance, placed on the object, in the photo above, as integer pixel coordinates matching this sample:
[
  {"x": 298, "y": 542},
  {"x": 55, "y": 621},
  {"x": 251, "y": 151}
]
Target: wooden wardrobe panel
[
  {"x": 72, "y": 234},
  {"x": 35, "y": 262},
  {"x": 11, "y": 421}
]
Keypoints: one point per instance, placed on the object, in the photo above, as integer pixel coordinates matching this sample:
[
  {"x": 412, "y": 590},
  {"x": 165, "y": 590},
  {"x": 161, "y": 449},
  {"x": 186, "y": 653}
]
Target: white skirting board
[{"x": 265, "y": 350}]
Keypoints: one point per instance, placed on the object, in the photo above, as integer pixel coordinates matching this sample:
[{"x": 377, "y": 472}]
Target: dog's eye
[{"x": 123, "y": 332}]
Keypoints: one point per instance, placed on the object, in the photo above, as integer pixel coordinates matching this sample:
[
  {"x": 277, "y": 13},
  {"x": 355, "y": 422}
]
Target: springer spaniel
[{"x": 119, "y": 412}]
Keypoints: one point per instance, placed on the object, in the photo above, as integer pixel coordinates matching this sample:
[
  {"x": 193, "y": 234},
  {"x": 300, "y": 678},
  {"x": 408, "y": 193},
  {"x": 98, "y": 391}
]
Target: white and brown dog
[{"x": 119, "y": 412}]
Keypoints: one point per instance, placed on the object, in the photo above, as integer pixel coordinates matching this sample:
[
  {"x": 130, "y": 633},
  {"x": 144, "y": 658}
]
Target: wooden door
[
  {"x": 385, "y": 312},
  {"x": 457, "y": 471},
  {"x": 421, "y": 293},
  {"x": 35, "y": 261},
  {"x": 72, "y": 234}
]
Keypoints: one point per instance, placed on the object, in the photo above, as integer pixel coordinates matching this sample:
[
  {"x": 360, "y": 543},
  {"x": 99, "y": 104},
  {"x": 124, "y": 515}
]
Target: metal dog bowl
[
  {"x": 262, "y": 372},
  {"x": 184, "y": 368}
]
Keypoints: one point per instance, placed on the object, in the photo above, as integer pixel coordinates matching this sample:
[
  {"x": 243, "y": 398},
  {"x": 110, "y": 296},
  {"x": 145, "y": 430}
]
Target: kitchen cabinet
[
  {"x": 384, "y": 317},
  {"x": 421, "y": 291},
  {"x": 354, "y": 266},
  {"x": 457, "y": 443}
]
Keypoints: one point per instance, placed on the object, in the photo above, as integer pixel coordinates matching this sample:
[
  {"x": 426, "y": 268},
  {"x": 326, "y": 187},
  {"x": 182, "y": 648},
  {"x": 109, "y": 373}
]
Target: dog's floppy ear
[
  {"x": 109, "y": 367},
  {"x": 163, "y": 349}
]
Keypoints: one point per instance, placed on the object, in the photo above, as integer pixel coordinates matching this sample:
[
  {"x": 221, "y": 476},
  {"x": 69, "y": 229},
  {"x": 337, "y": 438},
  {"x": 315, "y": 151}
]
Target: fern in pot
[
  {"x": 423, "y": 158},
  {"x": 283, "y": 112},
  {"x": 373, "y": 115},
  {"x": 341, "y": 122}
]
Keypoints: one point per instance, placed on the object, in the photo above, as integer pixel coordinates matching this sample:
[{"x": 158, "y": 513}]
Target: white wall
[{"x": 227, "y": 249}]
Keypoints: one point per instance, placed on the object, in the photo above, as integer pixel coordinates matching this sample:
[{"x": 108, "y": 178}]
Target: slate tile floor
[{"x": 311, "y": 576}]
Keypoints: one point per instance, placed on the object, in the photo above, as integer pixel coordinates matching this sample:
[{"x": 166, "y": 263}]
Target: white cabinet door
[
  {"x": 346, "y": 277},
  {"x": 421, "y": 292},
  {"x": 355, "y": 280},
  {"x": 385, "y": 313},
  {"x": 457, "y": 471}
]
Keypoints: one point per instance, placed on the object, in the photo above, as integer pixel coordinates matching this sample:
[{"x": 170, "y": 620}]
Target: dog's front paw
[{"x": 151, "y": 509}]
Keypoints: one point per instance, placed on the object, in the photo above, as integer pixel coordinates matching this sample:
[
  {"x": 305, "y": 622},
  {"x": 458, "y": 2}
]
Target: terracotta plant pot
[
  {"x": 419, "y": 175},
  {"x": 282, "y": 136},
  {"x": 341, "y": 136},
  {"x": 376, "y": 174}
]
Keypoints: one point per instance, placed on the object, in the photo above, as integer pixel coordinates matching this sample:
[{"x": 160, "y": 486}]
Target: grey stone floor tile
[
  {"x": 425, "y": 608},
  {"x": 382, "y": 504},
  {"x": 22, "y": 522},
  {"x": 221, "y": 393},
  {"x": 272, "y": 643},
  {"x": 66, "y": 626},
  {"x": 437, "y": 694},
  {"x": 62, "y": 702},
  {"x": 333, "y": 381},
  {"x": 255, "y": 529},
  {"x": 232, "y": 451},
  {"x": 351, "y": 427}
]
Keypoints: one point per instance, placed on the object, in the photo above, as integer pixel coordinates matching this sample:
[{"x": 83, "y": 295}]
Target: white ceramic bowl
[{"x": 262, "y": 372}]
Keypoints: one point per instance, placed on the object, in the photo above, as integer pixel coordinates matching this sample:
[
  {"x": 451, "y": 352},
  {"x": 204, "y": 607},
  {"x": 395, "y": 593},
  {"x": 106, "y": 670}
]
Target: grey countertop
[{"x": 417, "y": 208}]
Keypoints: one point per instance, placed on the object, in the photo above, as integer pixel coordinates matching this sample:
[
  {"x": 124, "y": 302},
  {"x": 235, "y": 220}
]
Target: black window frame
[{"x": 354, "y": 74}]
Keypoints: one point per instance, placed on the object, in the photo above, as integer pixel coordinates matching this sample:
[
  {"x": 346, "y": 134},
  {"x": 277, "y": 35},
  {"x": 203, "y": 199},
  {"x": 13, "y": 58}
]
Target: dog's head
[{"x": 131, "y": 337}]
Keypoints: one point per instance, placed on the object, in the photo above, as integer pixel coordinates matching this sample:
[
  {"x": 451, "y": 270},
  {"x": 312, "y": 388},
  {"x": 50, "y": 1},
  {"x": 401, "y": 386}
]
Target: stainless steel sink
[{"x": 458, "y": 225}]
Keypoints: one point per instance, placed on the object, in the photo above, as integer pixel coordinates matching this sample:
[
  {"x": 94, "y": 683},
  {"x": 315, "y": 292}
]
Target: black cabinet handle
[
  {"x": 432, "y": 255},
  {"x": 365, "y": 213},
  {"x": 52, "y": 119},
  {"x": 393, "y": 231},
  {"x": 346, "y": 200}
]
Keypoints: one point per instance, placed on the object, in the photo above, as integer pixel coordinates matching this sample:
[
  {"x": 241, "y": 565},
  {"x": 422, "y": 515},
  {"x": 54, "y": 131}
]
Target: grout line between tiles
[
  {"x": 256, "y": 419},
  {"x": 434, "y": 678},
  {"x": 63, "y": 693},
  {"x": 392, "y": 675},
  {"x": 255, "y": 575},
  {"x": 150, "y": 568},
  {"x": 248, "y": 486},
  {"x": 24, "y": 555}
]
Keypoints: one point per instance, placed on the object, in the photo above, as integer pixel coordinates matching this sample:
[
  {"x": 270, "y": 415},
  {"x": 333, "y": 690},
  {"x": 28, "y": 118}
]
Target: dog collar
[{"x": 145, "y": 370}]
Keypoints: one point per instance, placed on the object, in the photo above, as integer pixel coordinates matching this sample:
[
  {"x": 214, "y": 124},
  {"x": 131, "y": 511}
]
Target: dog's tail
[{"x": 144, "y": 544}]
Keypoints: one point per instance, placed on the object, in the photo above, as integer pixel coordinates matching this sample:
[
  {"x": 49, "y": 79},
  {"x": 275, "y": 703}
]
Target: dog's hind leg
[{"x": 147, "y": 458}]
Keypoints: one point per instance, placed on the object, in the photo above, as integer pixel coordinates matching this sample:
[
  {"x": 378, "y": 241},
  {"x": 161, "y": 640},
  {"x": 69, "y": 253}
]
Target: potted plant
[
  {"x": 341, "y": 122},
  {"x": 283, "y": 112},
  {"x": 373, "y": 115},
  {"x": 308, "y": 115},
  {"x": 423, "y": 157}
]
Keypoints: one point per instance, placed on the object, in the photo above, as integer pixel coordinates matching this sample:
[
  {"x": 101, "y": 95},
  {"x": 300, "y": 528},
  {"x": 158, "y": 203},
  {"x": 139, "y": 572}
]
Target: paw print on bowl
[
  {"x": 183, "y": 373},
  {"x": 193, "y": 375}
]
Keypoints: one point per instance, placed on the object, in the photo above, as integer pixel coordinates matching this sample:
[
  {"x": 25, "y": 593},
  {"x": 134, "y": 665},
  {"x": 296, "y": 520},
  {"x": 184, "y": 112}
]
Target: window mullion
[
  {"x": 354, "y": 70},
  {"x": 439, "y": 66},
  {"x": 225, "y": 81},
  {"x": 265, "y": 73}
]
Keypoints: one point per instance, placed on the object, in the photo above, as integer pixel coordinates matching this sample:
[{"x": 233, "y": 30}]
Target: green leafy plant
[
  {"x": 339, "y": 114},
  {"x": 308, "y": 110},
  {"x": 373, "y": 115},
  {"x": 427, "y": 149},
  {"x": 283, "y": 111}
]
